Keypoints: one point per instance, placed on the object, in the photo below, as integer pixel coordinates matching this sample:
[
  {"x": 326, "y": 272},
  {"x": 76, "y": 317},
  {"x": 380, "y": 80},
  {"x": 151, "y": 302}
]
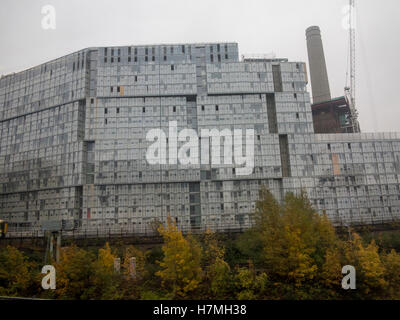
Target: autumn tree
[
  {"x": 180, "y": 272},
  {"x": 370, "y": 269},
  {"x": 17, "y": 274},
  {"x": 391, "y": 261},
  {"x": 291, "y": 240},
  {"x": 74, "y": 273},
  {"x": 331, "y": 274},
  {"x": 106, "y": 281}
]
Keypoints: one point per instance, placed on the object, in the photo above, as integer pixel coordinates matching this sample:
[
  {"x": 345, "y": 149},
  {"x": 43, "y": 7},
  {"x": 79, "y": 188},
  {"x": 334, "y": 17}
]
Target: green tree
[
  {"x": 217, "y": 272},
  {"x": 248, "y": 285}
]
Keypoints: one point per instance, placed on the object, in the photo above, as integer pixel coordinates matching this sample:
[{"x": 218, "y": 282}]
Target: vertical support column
[
  {"x": 51, "y": 249},
  {"x": 117, "y": 265},
  {"x": 58, "y": 247},
  {"x": 132, "y": 267}
]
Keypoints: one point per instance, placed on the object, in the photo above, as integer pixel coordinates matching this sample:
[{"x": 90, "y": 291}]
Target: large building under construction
[{"x": 73, "y": 143}]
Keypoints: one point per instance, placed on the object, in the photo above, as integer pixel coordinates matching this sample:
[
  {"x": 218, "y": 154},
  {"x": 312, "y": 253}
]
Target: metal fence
[{"x": 123, "y": 231}]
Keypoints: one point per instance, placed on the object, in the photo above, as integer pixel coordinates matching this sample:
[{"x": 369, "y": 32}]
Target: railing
[
  {"x": 150, "y": 231},
  {"x": 124, "y": 231}
]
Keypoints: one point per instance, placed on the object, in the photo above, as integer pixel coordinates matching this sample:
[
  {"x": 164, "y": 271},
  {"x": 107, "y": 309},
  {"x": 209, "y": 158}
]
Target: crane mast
[{"x": 351, "y": 90}]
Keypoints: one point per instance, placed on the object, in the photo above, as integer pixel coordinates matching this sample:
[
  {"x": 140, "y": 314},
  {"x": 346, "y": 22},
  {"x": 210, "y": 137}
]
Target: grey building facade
[{"x": 73, "y": 143}]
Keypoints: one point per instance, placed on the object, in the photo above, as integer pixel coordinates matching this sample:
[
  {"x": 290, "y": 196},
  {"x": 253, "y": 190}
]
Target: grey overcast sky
[{"x": 258, "y": 26}]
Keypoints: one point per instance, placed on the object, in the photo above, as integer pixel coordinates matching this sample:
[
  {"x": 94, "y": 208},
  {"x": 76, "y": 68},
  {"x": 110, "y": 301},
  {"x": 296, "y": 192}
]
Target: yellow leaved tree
[
  {"x": 369, "y": 266},
  {"x": 391, "y": 262},
  {"x": 180, "y": 272},
  {"x": 106, "y": 281},
  {"x": 74, "y": 273},
  {"x": 293, "y": 240}
]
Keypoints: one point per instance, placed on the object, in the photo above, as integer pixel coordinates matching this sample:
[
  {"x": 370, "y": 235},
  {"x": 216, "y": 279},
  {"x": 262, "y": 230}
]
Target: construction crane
[{"x": 350, "y": 89}]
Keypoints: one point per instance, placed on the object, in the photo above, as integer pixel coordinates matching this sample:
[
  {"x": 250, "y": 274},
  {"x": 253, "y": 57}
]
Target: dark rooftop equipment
[{"x": 332, "y": 116}]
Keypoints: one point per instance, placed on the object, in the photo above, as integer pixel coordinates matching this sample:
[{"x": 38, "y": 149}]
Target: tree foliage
[
  {"x": 17, "y": 274},
  {"x": 180, "y": 268},
  {"x": 291, "y": 252}
]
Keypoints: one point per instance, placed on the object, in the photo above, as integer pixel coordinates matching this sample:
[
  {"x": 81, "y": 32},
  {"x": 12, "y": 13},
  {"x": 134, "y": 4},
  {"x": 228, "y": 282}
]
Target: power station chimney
[{"x": 316, "y": 60}]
